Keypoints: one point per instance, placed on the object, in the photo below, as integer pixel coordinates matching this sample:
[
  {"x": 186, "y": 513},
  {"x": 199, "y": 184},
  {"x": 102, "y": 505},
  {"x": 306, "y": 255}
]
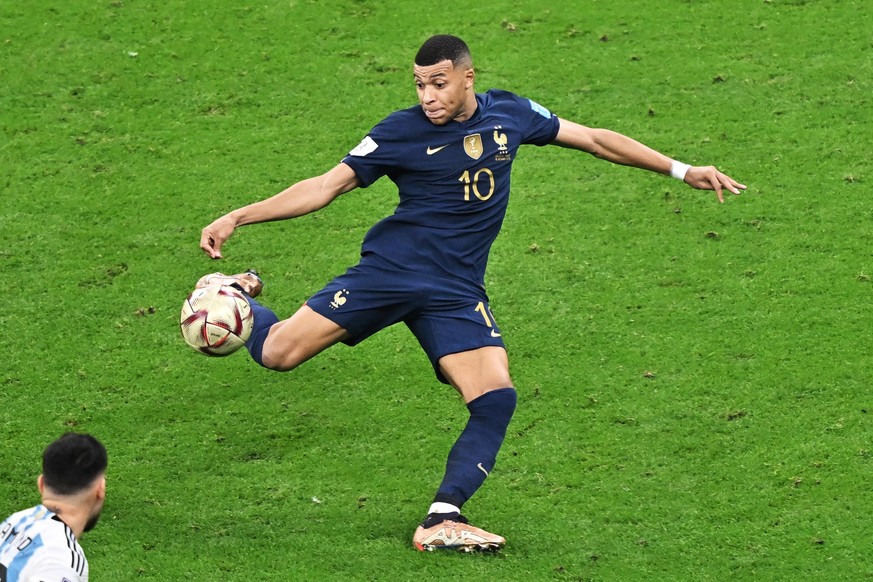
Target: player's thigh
[
  {"x": 475, "y": 372},
  {"x": 367, "y": 298},
  {"x": 298, "y": 338}
]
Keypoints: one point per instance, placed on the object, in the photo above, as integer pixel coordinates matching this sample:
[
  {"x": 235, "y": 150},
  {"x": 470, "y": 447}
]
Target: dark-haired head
[
  {"x": 72, "y": 463},
  {"x": 444, "y": 47}
]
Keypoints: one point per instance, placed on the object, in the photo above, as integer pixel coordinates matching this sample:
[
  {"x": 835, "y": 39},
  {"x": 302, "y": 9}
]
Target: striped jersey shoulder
[
  {"x": 74, "y": 553},
  {"x": 35, "y": 544}
]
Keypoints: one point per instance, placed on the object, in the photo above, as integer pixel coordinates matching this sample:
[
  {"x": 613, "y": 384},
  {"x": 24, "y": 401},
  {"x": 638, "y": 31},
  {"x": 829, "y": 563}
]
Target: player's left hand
[{"x": 709, "y": 178}]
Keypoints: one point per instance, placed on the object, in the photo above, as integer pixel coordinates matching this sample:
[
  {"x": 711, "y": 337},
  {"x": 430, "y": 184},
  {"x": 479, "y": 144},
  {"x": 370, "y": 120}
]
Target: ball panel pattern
[{"x": 216, "y": 320}]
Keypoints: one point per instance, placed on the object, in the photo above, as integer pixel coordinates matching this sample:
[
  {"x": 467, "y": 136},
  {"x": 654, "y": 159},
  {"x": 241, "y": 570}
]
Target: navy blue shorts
[{"x": 447, "y": 316}]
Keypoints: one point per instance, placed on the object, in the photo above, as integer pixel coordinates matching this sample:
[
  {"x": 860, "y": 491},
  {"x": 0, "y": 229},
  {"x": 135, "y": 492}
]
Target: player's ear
[
  {"x": 100, "y": 489},
  {"x": 469, "y": 77},
  {"x": 40, "y": 484}
]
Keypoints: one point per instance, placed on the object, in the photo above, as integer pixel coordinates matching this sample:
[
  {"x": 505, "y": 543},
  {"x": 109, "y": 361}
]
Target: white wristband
[{"x": 678, "y": 170}]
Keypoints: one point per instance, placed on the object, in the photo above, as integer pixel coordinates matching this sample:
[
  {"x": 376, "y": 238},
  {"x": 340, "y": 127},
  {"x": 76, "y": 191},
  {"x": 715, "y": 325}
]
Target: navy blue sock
[
  {"x": 264, "y": 318},
  {"x": 474, "y": 453}
]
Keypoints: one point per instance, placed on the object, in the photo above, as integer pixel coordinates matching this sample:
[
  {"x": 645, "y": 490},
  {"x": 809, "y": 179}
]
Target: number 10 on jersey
[{"x": 473, "y": 184}]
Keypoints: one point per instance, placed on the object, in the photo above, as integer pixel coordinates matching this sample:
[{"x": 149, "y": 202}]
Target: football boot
[
  {"x": 248, "y": 282},
  {"x": 455, "y": 534}
]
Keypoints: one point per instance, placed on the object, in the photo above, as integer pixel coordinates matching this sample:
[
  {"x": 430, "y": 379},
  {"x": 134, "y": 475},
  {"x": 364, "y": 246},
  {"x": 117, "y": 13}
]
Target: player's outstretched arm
[
  {"x": 301, "y": 198},
  {"x": 620, "y": 149}
]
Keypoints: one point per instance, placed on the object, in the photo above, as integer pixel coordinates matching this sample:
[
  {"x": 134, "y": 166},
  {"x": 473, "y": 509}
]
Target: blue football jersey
[{"x": 453, "y": 182}]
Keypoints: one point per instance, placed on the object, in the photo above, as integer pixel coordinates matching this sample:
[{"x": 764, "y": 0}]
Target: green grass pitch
[{"x": 694, "y": 378}]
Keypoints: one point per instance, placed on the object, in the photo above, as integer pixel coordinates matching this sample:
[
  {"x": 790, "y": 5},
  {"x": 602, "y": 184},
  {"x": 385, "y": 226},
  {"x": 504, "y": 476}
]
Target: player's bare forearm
[
  {"x": 301, "y": 198},
  {"x": 611, "y": 146},
  {"x": 621, "y": 149},
  {"x": 298, "y": 199}
]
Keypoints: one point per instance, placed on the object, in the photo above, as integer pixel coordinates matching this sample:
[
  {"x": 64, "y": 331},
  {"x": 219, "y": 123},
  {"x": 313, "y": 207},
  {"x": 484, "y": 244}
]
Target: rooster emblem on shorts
[{"x": 339, "y": 299}]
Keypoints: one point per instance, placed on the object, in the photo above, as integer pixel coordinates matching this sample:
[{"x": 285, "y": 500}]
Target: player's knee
[
  {"x": 505, "y": 398},
  {"x": 280, "y": 360}
]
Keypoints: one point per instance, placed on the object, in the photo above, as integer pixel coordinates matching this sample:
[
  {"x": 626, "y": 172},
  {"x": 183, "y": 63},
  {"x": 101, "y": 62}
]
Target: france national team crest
[
  {"x": 473, "y": 146},
  {"x": 339, "y": 299},
  {"x": 501, "y": 140}
]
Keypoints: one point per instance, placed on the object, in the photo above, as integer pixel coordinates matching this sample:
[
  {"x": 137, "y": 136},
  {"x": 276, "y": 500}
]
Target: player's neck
[
  {"x": 471, "y": 107},
  {"x": 73, "y": 516}
]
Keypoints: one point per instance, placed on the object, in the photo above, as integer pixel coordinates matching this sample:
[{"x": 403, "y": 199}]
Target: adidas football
[{"x": 216, "y": 320}]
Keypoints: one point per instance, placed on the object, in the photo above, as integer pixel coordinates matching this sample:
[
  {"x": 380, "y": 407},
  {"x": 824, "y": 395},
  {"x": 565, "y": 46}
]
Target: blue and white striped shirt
[{"x": 36, "y": 546}]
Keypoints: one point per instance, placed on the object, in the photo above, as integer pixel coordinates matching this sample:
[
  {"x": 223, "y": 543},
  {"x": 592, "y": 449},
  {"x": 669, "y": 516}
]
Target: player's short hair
[
  {"x": 72, "y": 463},
  {"x": 443, "y": 47}
]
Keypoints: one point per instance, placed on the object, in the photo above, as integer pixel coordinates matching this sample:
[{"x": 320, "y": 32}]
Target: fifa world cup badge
[{"x": 473, "y": 146}]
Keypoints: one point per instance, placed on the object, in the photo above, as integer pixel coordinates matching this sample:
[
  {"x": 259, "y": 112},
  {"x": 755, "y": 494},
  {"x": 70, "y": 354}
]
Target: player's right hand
[{"x": 214, "y": 235}]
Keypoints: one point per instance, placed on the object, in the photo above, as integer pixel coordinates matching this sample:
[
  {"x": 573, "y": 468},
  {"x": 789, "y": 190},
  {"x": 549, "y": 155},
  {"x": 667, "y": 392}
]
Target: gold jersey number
[{"x": 481, "y": 177}]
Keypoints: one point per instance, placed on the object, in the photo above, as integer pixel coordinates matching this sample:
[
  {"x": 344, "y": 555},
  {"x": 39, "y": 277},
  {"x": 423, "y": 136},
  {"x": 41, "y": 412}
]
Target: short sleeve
[
  {"x": 542, "y": 125},
  {"x": 381, "y": 150}
]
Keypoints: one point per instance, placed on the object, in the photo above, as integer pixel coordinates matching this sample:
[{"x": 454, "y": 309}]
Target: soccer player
[
  {"x": 41, "y": 544},
  {"x": 450, "y": 157}
]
